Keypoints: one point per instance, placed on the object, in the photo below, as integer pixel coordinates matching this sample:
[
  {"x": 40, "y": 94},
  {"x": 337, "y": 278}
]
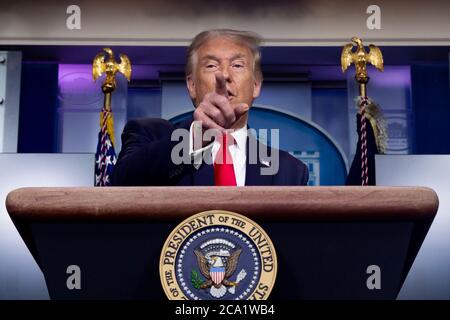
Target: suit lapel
[{"x": 253, "y": 175}]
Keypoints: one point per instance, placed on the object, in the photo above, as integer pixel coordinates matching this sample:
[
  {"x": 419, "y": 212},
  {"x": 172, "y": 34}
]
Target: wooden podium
[{"x": 325, "y": 237}]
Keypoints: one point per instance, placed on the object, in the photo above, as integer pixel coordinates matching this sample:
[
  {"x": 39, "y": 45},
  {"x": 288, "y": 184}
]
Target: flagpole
[
  {"x": 106, "y": 155},
  {"x": 360, "y": 58}
]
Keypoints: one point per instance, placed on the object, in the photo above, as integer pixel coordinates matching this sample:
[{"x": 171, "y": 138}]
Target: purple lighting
[{"x": 76, "y": 85}]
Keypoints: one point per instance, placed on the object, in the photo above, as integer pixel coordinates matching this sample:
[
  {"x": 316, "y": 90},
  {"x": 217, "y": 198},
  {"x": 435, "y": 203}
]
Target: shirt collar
[{"x": 240, "y": 136}]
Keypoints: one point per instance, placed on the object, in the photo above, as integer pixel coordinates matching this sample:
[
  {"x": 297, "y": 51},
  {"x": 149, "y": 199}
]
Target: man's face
[{"x": 234, "y": 61}]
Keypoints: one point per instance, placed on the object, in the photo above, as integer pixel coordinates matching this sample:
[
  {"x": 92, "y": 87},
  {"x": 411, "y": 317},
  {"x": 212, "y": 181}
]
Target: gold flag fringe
[{"x": 375, "y": 116}]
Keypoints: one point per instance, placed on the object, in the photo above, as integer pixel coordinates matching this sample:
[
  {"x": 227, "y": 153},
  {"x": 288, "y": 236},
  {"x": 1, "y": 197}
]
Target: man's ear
[
  {"x": 191, "y": 86},
  {"x": 256, "y": 88}
]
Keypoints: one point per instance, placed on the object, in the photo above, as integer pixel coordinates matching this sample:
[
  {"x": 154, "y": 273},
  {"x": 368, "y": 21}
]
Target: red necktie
[{"x": 223, "y": 164}]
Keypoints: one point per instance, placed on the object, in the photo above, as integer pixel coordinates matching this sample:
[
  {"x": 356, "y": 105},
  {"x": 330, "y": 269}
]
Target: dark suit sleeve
[{"x": 145, "y": 155}]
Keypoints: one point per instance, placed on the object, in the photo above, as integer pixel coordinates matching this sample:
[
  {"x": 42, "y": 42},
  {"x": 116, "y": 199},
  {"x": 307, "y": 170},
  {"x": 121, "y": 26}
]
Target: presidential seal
[{"x": 218, "y": 255}]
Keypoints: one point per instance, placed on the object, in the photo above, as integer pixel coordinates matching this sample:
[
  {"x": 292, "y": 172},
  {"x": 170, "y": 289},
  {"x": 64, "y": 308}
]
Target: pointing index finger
[{"x": 221, "y": 87}]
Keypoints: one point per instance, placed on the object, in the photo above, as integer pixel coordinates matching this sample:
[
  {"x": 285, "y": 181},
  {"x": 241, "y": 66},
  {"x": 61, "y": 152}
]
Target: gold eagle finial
[
  {"x": 108, "y": 65},
  {"x": 360, "y": 58}
]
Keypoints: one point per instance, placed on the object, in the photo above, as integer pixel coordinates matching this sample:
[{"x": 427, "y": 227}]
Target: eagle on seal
[{"x": 215, "y": 272}]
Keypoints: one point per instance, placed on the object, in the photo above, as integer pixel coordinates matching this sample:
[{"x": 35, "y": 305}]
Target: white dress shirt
[{"x": 237, "y": 150}]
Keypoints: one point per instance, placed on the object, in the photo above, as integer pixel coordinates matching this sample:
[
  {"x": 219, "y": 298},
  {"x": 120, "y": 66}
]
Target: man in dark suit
[{"x": 223, "y": 77}]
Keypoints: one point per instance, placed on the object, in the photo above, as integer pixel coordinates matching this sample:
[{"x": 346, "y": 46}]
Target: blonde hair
[{"x": 250, "y": 39}]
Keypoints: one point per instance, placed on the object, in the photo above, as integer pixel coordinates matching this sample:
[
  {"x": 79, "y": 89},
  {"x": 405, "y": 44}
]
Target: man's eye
[
  {"x": 238, "y": 65},
  {"x": 210, "y": 66}
]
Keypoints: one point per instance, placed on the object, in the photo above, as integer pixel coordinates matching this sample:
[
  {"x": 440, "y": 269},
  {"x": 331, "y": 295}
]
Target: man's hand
[{"x": 215, "y": 110}]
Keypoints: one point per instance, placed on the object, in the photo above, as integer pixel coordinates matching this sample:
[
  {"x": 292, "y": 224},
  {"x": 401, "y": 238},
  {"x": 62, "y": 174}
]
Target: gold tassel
[{"x": 375, "y": 116}]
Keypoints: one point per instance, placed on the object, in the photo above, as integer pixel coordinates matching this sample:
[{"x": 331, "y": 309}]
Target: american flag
[{"x": 105, "y": 157}]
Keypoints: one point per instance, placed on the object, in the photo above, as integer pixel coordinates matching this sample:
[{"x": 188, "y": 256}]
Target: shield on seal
[{"x": 217, "y": 274}]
